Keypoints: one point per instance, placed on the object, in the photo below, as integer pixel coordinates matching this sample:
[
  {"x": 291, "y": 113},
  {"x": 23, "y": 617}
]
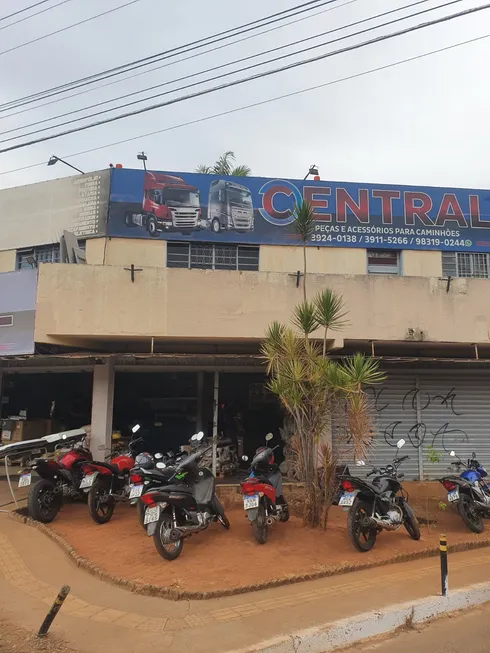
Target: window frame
[
  {"x": 387, "y": 269},
  {"x": 6, "y": 315},
  {"x": 218, "y": 256},
  {"x": 452, "y": 264}
]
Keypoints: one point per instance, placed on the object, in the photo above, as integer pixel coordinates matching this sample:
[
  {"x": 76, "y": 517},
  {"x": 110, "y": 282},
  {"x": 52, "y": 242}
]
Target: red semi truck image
[{"x": 168, "y": 203}]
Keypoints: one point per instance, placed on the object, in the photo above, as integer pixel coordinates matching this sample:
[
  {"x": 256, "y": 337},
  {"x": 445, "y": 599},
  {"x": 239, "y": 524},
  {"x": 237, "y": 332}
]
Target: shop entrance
[
  {"x": 172, "y": 406},
  {"x": 35, "y": 405}
]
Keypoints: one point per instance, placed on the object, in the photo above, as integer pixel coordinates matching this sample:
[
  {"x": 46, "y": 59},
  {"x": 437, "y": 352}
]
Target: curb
[
  {"x": 146, "y": 589},
  {"x": 347, "y": 632}
]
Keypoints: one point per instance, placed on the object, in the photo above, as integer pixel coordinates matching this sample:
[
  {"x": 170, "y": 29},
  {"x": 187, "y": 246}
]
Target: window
[
  {"x": 466, "y": 264},
  {"x": 383, "y": 261},
  {"x": 30, "y": 257},
  {"x": 208, "y": 256},
  {"x": 6, "y": 320}
]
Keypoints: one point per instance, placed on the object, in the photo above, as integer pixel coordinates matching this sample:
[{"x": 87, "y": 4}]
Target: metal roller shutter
[
  {"x": 454, "y": 414},
  {"x": 393, "y": 420},
  {"x": 443, "y": 409}
]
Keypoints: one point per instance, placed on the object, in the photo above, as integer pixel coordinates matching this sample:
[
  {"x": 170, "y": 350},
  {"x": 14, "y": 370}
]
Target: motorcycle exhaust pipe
[
  {"x": 385, "y": 525},
  {"x": 270, "y": 521}
]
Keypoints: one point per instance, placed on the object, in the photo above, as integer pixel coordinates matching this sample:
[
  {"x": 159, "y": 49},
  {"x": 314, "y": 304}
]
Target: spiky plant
[
  {"x": 303, "y": 227},
  {"x": 330, "y": 313},
  {"x": 224, "y": 166},
  {"x": 309, "y": 384}
]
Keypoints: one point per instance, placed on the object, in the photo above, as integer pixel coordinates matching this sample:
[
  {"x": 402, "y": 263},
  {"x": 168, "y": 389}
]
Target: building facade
[{"x": 130, "y": 295}]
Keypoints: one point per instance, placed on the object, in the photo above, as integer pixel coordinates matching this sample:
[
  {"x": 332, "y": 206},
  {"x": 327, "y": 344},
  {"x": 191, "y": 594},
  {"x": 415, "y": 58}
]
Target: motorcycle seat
[{"x": 113, "y": 468}]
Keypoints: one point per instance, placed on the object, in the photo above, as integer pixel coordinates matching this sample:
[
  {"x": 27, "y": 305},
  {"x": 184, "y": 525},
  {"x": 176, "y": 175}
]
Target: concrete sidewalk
[{"x": 33, "y": 568}]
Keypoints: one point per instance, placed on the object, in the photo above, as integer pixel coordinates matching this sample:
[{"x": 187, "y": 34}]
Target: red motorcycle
[
  {"x": 262, "y": 492},
  {"x": 109, "y": 482},
  {"x": 59, "y": 478}
]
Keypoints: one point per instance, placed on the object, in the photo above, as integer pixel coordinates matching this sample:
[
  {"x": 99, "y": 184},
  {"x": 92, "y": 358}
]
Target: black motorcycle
[
  {"x": 186, "y": 505},
  {"x": 151, "y": 472},
  {"x": 381, "y": 504}
]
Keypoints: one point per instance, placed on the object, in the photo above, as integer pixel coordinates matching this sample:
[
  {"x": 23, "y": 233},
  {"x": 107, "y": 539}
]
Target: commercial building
[{"x": 130, "y": 295}]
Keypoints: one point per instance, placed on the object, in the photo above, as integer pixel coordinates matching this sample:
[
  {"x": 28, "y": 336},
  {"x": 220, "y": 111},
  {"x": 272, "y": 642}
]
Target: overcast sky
[{"x": 422, "y": 123}]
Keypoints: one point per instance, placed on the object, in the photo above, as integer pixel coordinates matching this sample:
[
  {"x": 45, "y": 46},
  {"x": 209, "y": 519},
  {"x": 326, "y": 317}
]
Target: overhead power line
[
  {"x": 244, "y": 80},
  {"x": 233, "y": 72},
  {"x": 21, "y": 11},
  {"x": 256, "y": 104},
  {"x": 173, "y": 63},
  {"x": 182, "y": 49},
  {"x": 42, "y": 11},
  {"x": 64, "y": 29}
]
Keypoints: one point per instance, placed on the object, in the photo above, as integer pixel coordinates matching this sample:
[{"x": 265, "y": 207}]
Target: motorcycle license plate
[
  {"x": 152, "y": 515},
  {"x": 87, "y": 481},
  {"x": 251, "y": 502},
  {"x": 453, "y": 495},
  {"x": 25, "y": 480},
  {"x": 135, "y": 491},
  {"x": 347, "y": 499}
]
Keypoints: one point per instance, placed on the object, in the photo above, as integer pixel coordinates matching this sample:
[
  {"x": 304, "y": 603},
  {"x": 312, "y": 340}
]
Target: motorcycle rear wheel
[
  {"x": 140, "y": 508},
  {"x": 259, "y": 525},
  {"x": 168, "y": 550},
  {"x": 100, "y": 511},
  {"x": 470, "y": 517},
  {"x": 363, "y": 538},
  {"x": 44, "y": 503}
]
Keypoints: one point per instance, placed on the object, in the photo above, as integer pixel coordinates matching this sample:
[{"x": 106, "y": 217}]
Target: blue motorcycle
[{"x": 469, "y": 491}]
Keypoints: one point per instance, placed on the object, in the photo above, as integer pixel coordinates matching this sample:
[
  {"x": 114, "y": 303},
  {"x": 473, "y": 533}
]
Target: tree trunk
[{"x": 304, "y": 271}]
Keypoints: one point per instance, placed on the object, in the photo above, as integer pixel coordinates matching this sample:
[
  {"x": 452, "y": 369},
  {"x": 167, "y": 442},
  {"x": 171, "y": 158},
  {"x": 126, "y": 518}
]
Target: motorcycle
[
  {"x": 108, "y": 483},
  {"x": 226, "y": 457},
  {"x": 151, "y": 472},
  {"x": 262, "y": 492},
  {"x": 470, "y": 492},
  {"x": 185, "y": 505},
  {"x": 378, "y": 505},
  {"x": 59, "y": 478}
]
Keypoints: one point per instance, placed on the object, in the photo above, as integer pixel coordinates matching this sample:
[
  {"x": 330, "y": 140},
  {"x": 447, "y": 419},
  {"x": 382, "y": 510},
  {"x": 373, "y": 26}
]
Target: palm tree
[
  {"x": 223, "y": 166},
  {"x": 303, "y": 226}
]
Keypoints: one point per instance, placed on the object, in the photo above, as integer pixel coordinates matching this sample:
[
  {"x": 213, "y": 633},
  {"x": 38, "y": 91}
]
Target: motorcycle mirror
[
  {"x": 245, "y": 458},
  {"x": 136, "y": 428},
  {"x": 160, "y": 465},
  {"x": 360, "y": 463},
  {"x": 473, "y": 454},
  {"x": 158, "y": 456},
  {"x": 400, "y": 443},
  {"x": 452, "y": 453},
  {"x": 268, "y": 437}
]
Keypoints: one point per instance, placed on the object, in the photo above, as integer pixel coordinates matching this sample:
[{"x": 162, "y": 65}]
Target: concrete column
[
  {"x": 200, "y": 397},
  {"x": 215, "y": 421},
  {"x": 102, "y": 406}
]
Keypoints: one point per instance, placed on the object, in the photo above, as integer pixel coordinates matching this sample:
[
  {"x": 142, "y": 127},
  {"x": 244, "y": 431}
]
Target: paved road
[{"x": 469, "y": 631}]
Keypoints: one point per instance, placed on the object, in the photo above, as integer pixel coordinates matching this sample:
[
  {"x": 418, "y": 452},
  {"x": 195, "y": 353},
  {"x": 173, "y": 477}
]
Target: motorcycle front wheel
[
  {"x": 44, "y": 502},
  {"x": 362, "y": 535},
  {"x": 259, "y": 525},
  {"x": 466, "y": 508},
  {"x": 100, "y": 504},
  {"x": 410, "y": 522},
  {"x": 167, "y": 549}
]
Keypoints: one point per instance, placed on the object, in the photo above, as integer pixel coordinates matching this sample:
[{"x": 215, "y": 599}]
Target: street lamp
[
  {"x": 54, "y": 159},
  {"x": 142, "y": 157},
  {"x": 314, "y": 172}
]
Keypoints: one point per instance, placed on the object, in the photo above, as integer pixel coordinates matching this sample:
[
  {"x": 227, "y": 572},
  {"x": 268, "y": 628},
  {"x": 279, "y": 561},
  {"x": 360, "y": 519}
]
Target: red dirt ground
[{"x": 217, "y": 559}]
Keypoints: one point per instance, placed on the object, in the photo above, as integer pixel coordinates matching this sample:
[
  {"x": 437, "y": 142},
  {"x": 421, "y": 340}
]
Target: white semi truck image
[{"x": 229, "y": 207}]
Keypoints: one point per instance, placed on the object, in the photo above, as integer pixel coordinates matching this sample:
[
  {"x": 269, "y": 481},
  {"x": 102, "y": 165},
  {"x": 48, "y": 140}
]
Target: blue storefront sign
[{"x": 254, "y": 210}]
